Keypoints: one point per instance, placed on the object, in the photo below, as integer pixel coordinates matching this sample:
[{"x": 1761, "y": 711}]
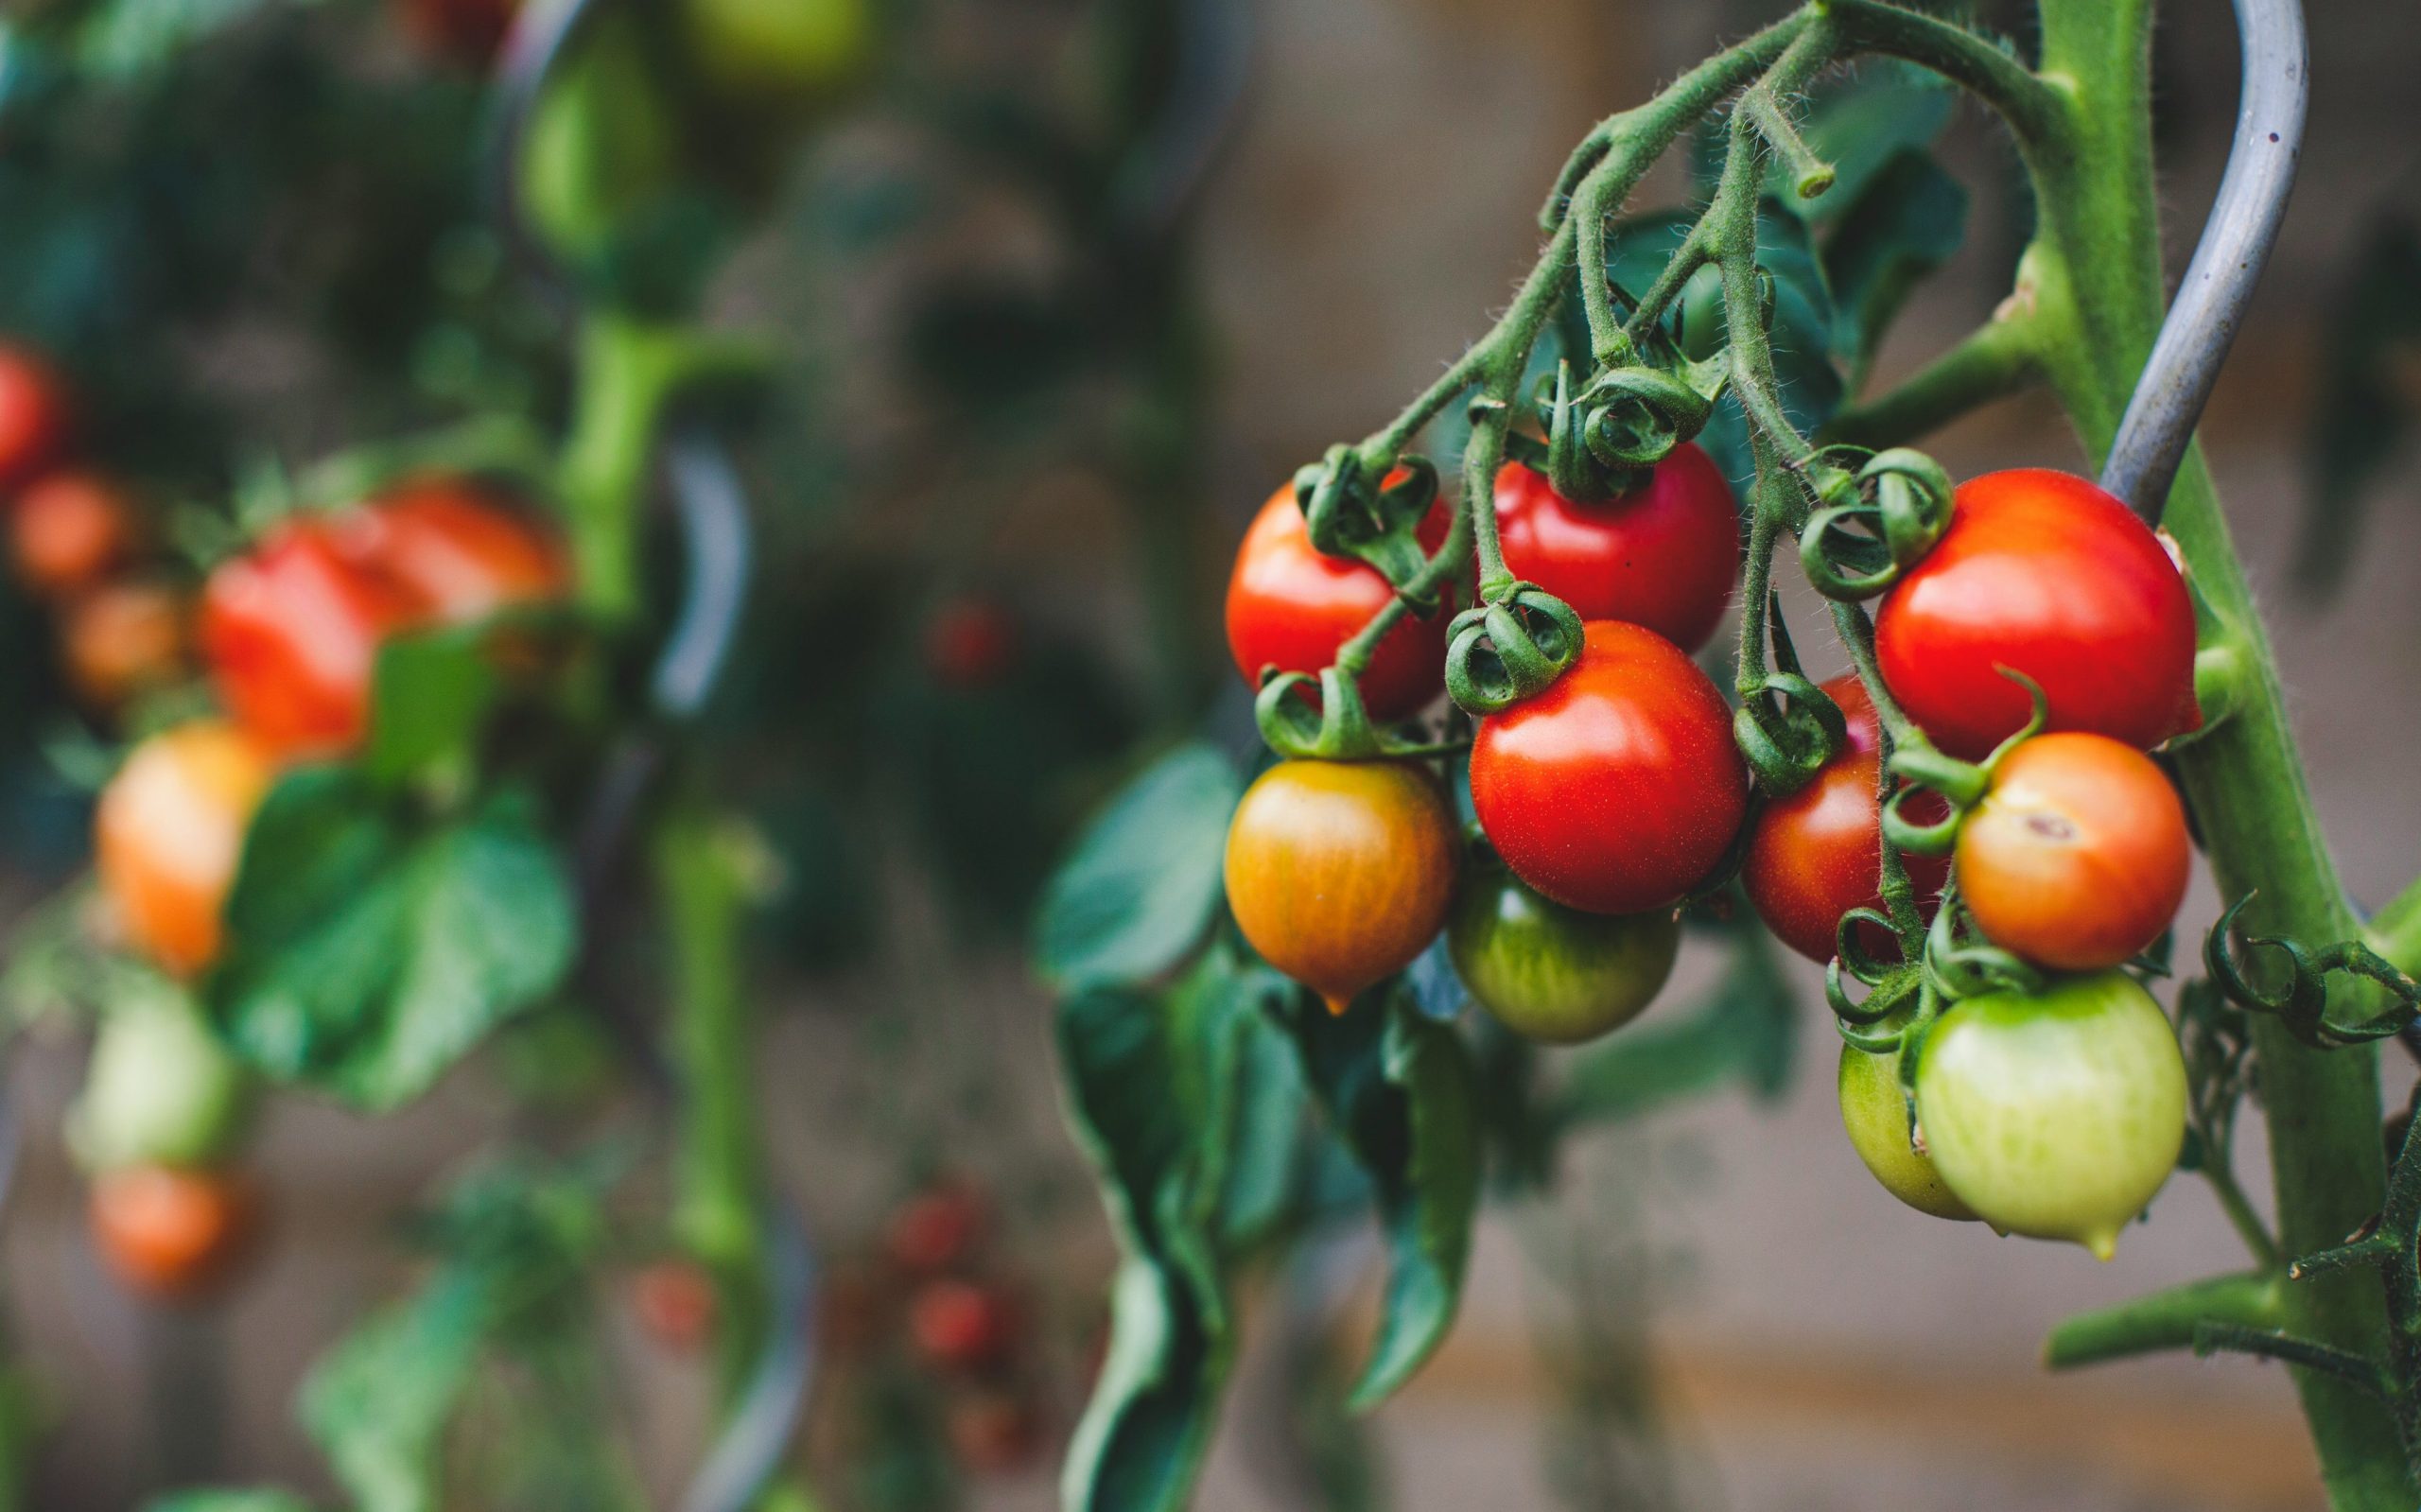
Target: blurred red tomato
[
  {"x": 173, "y": 1235},
  {"x": 938, "y": 1228},
  {"x": 34, "y": 416},
  {"x": 67, "y": 529},
  {"x": 674, "y": 1301},
  {"x": 970, "y": 644},
  {"x": 461, "y": 551},
  {"x": 466, "y": 32},
  {"x": 961, "y": 1324}
]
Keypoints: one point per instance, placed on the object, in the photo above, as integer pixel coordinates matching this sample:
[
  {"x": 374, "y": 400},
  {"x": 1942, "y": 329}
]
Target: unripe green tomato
[
  {"x": 777, "y": 53},
  {"x": 2056, "y": 1115},
  {"x": 1551, "y": 973},
  {"x": 602, "y": 144},
  {"x": 1877, "y": 1119},
  {"x": 160, "y": 1091}
]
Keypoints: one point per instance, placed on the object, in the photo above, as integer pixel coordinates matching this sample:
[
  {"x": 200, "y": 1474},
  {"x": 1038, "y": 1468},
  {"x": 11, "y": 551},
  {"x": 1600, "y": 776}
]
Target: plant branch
[
  {"x": 2032, "y": 107},
  {"x": 2396, "y": 932},
  {"x": 2165, "y": 1320},
  {"x": 1993, "y": 362}
]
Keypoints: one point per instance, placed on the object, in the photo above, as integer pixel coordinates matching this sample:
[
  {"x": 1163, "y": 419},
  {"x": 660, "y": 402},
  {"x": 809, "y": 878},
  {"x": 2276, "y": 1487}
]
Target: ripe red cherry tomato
[
  {"x": 462, "y": 553},
  {"x": 67, "y": 529},
  {"x": 1340, "y": 873},
  {"x": 1618, "y": 788},
  {"x": 34, "y": 416},
  {"x": 1291, "y": 608},
  {"x": 970, "y": 644},
  {"x": 938, "y": 1228},
  {"x": 674, "y": 1301},
  {"x": 167, "y": 835},
  {"x": 291, "y": 634},
  {"x": 2043, "y": 573},
  {"x": 1817, "y": 853},
  {"x": 122, "y": 639},
  {"x": 961, "y": 1324},
  {"x": 1664, "y": 555},
  {"x": 173, "y": 1235},
  {"x": 2078, "y": 856}
]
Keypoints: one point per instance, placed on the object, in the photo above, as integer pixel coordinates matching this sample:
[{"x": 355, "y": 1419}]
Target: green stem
[
  {"x": 2166, "y": 1320},
  {"x": 1992, "y": 361},
  {"x": 2240, "y": 1214},
  {"x": 718, "y": 1172},
  {"x": 2395, "y": 933},
  {"x": 2100, "y": 293}
]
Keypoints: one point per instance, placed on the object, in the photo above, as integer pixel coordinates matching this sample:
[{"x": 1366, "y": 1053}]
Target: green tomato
[
  {"x": 1552, "y": 973},
  {"x": 786, "y": 53},
  {"x": 2056, "y": 1115},
  {"x": 1876, "y": 1117},
  {"x": 160, "y": 1091},
  {"x": 601, "y": 147}
]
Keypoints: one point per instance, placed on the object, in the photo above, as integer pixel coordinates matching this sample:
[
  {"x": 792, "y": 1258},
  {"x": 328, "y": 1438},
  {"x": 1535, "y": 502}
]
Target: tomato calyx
[
  {"x": 1372, "y": 511},
  {"x": 1324, "y": 719},
  {"x": 1511, "y": 648},
  {"x": 1787, "y": 727},
  {"x": 1602, "y": 441},
  {"x": 1901, "y": 508}
]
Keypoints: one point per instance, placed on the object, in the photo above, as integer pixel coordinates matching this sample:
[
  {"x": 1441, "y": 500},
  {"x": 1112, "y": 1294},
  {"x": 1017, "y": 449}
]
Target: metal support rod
[{"x": 2244, "y": 226}]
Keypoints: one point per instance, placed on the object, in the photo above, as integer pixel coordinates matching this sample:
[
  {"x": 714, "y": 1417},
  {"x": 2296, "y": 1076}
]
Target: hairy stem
[
  {"x": 1992, "y": 361},
  {"x": 2166, "y": 1320}
]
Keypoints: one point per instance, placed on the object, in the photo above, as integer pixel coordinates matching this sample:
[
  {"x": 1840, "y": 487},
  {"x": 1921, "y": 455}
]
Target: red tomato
[
  {"x": 1817, "y": 853},
  {"x": 1664, "y": 555},
  {"x": 1618, "y": 788},
  {"x": 675, "y": 1301},
  {"x": 2078, "y": 856},
  {"x": 68, "y": 530},
  {"x": 168, "y": 833},
  {"x": 938, "y": 1228},
  {"x": 2043, "y": 573},
  {"x": 291, "y": 634},
  {"x": 961, "y": 1324},
  {"x": 174, "y": 1235},
  {"x": 466, "y": 32},
  {"x": 457, "y": 549},
  {"x": 34, "y": 416},
  {"x": 122, "y": 639},
  {"x": 1291, "y": 608},
  {"x": 993, "y": 1432},
  {"x": 971, "y": 643}
]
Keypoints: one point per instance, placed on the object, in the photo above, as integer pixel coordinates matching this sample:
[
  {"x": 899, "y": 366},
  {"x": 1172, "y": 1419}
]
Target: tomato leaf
[
  {"x": 369, "y": 951},
  {"x": 1907, "y": 221},
  {"x": 429, "y": 695},
  {"x": 1143, "y": 882},
  {"x": 2364, "y": 415},
  {"x": 1399, "y": 1092}
]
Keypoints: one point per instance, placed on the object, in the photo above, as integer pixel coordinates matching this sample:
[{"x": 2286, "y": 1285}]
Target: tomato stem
[
  {"x": 2395, "y": 933},
  {"x": 2167, "y": 1320}
]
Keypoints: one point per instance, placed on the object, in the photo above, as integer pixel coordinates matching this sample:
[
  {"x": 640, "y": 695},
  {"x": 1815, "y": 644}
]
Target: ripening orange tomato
[
  {"x": 1340, "y": 873},
  {"x": 68, "y": 530},
  {"x": 174, "y": 1235},
  {"x": 122, "y": 639},
  {"x": 168, "y": 834},
  {"x": 2078, "y": 856}
]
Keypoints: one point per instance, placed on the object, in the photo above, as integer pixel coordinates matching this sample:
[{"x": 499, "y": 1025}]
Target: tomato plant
[
  {"x": 1551, "y": 973},
  {"x": 2078, "y": 857},
  {"x": 168, "y": 834},
  {"x": 171, "y": 1234},
  {"x": 1290, "y": 607},
  {"x": 1664, "y": 555},
  {"x": 1617, "y": 789}
]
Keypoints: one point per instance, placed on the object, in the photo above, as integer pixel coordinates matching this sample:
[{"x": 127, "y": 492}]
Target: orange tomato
[
  {"x": 1340, "y": 873},
  {"x": 173, "y": 1235},
  {"x": 122, "y": 639},
  {"x": 68, "y": 530},
  {"x": 675, "y": 1301},
  {"x": 2078, "y": 857},
  {"x": 168, "y": 833}
]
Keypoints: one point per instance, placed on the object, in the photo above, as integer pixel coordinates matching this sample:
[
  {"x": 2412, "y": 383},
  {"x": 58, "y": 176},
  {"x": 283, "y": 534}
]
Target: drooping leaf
[
  {"x": 1909, "y": 219},
  {"x": 1143, "y": 882},
  {"x": 1399, "y": 1092},
  {"x": 369, "y": 951},
  {"x": 379, "y": 1403}
]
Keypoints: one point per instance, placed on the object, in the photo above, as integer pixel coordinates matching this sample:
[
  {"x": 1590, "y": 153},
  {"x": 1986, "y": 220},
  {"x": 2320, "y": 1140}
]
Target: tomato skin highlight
[
  {"x": 1551, "y": 973},
  {"x": 1877, "y": 1120},
  {"x": 172, "y": 1235},
  {"x": 2046, "y": 574},
  {"x": 292, "y": 630},
  {"x": 34, "y": 416},
  {"x": 2078, "y": 856},
  {"x": 459, "y": 552},
  {"x": 1665, "y": 555},
  {"x": 1340, "y": 873},
  {"x": 168, "y": 833},
  {"x": 2057, "y": 1116},
  {"x": 1817, "y": 853},
  {"x": 1291, "y": 608},
  {"x": 1618, "y": 788},
  {"x": 67, "y": 530}
]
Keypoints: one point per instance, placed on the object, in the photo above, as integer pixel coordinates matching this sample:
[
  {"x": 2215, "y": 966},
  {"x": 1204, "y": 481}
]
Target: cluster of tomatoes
[{"x": 1617, "y": 794}]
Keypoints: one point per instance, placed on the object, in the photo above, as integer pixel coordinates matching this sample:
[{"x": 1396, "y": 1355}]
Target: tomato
[
  {"x": 1291, "y": 608},
  {"x": 1877, "y": 1119},
  {"x": 1664, "y": 555},
  {"x": 970, "y": 644},
  {"x": 781, "y": 53},
  {"x": 2078, "y": 857},
  {"x": 1618, "y": 788},
  {"x": 168, "y": 833},
  {"x": 961, "y": 1324},
  {"x": 2046, "y": 574},
  {"x": 992, "y": 1432},
  {"x": 1551, "y": 973},
  {"x": 34, "y": 416},
  {"x": 174, "y": 1235},
  {"x": 938, "y": 1228},
  {"x": 458, "y": 551},
  {"x": 468, "y": 31},
  {"x": 1340, "y": 873},
  {"x": 1818, "y": 853},
  {"x": 674, "y": 1301},
  {"x": 67, "y": 530},
  {"x": 122, "y": 639},
  {"x": 291, "y": 634},
  {"x": 2056, "y": 1115},
  {"x": 160, "y": 1091}
]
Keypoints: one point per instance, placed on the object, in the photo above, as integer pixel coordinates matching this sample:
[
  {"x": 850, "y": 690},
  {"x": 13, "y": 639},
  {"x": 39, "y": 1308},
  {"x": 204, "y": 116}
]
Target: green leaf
[
  {"x": 1907, "y": 221},
  {"x": 427, "y": 698},
  {"x": 223, "y": 1500},
  {"x": 369, "y": 951},
  {"x": 1400, "y": 1093},
  {"x": 1861, "y": 125},
  {"x": 1143, "y": 883},
  {"x": 2364, "y": 416},
  {"x": 379, "y": 1403}
]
